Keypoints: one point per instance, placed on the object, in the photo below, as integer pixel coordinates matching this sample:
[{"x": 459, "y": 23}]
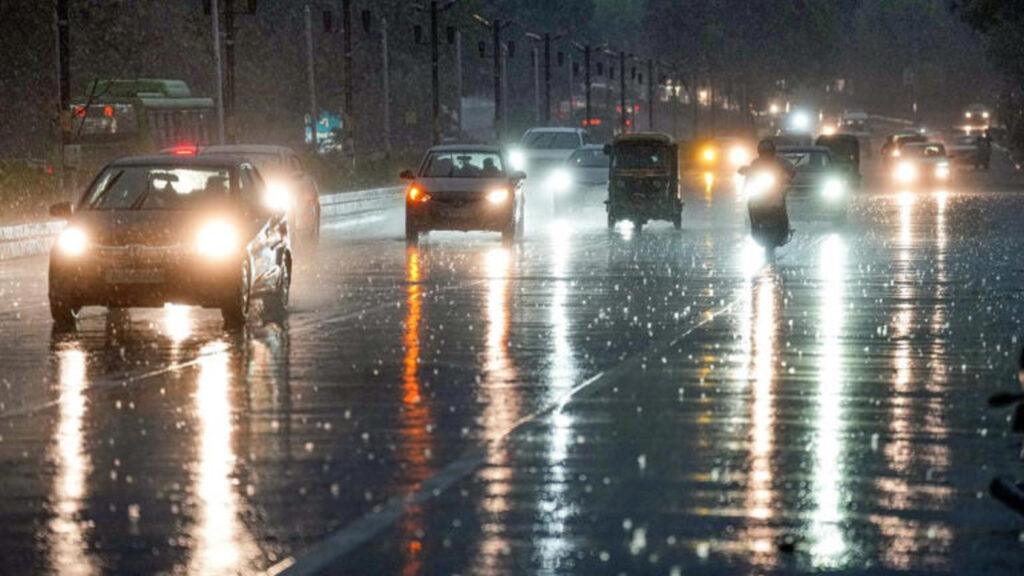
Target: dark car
[
  {"x": 891, "y": 149},
  {"x": 289, "y": 185},
  {"x": 162, "y": 229},
  {"x": 845, "y": 150},
  {"x": 818, "y": 179},
  {"x": 464, "y": 188}
]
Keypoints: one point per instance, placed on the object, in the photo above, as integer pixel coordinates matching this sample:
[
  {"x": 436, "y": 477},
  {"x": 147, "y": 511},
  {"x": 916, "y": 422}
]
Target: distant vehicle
[
  {"x": 965, "y": 150},
  {"x": 792, "y": 139},
  {"x": 542, "y": 150},
  {"x": 922, "y": 163},
  {"x": 644, "y": 180},
  {"x": 891, "y": 149},
  {"x": 977, "y": 118},
  {"x": 855, "y": 122},
  {"x": 584, "y": 171},
  {"x": 159, "y": 229},
  {"x": 126, "y": 117},
  {"x": 462, "y": 187},
  {"x": 845, "y": 150},
  {"x": 289, "y": 185},
  {"x": 717, "y": 156},
  {"x": 818, "y": 179}
]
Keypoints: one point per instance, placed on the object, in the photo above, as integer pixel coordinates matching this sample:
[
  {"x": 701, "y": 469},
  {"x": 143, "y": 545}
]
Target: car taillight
[
  {"x": 416, "y": 194},
  {"x": 186, "y": 151}
]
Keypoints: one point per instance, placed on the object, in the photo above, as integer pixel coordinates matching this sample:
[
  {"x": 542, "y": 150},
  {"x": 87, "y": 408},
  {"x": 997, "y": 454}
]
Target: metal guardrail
[{"x": 24, "y": 240}]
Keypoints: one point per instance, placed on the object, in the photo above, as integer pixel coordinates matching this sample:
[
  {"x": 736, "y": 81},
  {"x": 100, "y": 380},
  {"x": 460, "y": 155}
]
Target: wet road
[{"x": 586, "y": 402}]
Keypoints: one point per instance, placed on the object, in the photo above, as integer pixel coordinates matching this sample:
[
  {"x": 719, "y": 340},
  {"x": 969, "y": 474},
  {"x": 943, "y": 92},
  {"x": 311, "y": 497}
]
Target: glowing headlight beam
[
  {"x": 517, "y": 160},
  {"x": 278, "y": 197},
  {"x": 217, "y": 239},
  {"x": 833, "y": 189},
  {"x": 72, "y": 241},
  {"x": 498, "y": 196}
]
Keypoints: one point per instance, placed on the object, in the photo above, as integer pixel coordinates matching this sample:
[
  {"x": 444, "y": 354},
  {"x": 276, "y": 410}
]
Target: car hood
[
  {"x": 461, "y": 186},
  {"x": 547, "y": 155},
  {"x": 813, "y": 178},
  {"x": 142, "y": 227}
]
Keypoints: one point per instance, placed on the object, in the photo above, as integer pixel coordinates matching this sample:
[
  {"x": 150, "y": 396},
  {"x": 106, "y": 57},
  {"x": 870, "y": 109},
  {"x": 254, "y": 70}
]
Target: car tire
[
  {"x": 64, "y": 313},
  {"x": 236, "y": 310}
]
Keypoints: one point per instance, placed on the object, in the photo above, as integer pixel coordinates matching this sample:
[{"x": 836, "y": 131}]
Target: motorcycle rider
[{"x": 780, "y": 168}]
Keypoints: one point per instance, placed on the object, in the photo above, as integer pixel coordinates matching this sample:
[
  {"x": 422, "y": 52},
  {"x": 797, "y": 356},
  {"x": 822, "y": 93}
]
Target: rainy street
[{"x": 586, "y": 401}]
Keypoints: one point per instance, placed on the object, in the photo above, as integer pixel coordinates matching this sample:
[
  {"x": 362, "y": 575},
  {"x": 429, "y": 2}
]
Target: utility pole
[
  {"x": 547, "y": 79},
  {"x": 311, "y": 74},
  {"x": 650, "y": 94},
  {"x": 586, "y": 73},
  {"x": 218, "y": 70},
  {"x": 435, "y": 79},
  {"x": 569, "y": 75},
  {"x": 347, "y": 115},
  {"x": 229, "y": 59},
  {"x": 386, "y": 74},
  {"x": 458, "y": 77},
  {"x": 64, "y": 117},
  {"x": 536, "y": 86},
  {"x": 622, "y": 91},
  {"x": 499, "y": 120}
]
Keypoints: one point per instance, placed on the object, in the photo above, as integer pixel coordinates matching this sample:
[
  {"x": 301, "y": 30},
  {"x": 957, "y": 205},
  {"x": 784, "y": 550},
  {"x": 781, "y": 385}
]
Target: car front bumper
[{"x": 475, "y": 214}]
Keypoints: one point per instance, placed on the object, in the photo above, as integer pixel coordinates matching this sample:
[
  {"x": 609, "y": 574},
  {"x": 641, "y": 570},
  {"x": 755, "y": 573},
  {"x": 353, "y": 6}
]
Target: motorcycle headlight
[
  {"x": 758, "y": 184},
  {"x": 517, "y": 160},
  {"x": 278, "y": 196},
  {"x": 217, "y": 239},
  {"x": 498, "y": 196},
  {"x": 905, "y": 173},
  {"x": 833, "y": 189},
  {"x": 739, "y": 156},
  {"x": 72, "y": 241}
]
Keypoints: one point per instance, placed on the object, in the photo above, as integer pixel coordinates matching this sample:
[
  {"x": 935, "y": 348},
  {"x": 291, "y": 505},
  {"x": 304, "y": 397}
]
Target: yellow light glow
[{"x": 72, "y": 241}]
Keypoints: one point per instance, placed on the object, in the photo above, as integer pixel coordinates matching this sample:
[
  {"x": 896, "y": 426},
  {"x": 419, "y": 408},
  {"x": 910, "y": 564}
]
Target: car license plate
[{"x": 134, "y": 276}]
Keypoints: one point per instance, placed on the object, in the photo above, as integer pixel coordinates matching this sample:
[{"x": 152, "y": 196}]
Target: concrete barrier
[{"x": 24, "y": 240}]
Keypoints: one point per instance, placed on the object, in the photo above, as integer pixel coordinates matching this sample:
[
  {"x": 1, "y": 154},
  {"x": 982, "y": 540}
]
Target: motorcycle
[
  {"x": 765, "y": 191},
  {"x": 1007, "y": 490}
]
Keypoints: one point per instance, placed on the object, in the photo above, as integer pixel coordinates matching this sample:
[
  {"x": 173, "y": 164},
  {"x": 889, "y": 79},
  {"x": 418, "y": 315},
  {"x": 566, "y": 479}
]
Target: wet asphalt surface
[{"x": 585, "y": 402}]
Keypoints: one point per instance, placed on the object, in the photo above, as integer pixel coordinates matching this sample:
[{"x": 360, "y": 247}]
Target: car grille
[{"x": 139, "y": 255}]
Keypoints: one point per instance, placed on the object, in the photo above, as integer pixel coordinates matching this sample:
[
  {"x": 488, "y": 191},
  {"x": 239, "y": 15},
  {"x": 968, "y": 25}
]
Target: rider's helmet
[{"x": 766, "y": 148}]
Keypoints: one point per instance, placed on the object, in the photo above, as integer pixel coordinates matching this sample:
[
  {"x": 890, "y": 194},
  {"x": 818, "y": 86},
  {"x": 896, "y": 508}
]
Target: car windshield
[
  {"x": 540, "y": 140},
  {"x": 641, "y": 156},
  {"x": 807, "y": 160},
  {"x": 589, "y": 158},
  {"x": 157, "y": 188},
  {"x": 459, "y": 164},
  {"x": 925, "y": 151}
]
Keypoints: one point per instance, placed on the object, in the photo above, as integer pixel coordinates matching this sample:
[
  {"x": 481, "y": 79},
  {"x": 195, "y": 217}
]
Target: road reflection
[
  {"x": 415, "y": 438},
  {"x": 68, "y": 531},
  {"x": 828, "y": 539},
  {"x": 501, "y": 411},
  {"x": 221, "y": 542}
]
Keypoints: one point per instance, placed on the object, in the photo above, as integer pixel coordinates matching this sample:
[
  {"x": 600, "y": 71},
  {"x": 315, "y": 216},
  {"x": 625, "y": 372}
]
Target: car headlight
[
  {"x": 72, "y": 241},
  {"x": 967, "y": 115},
  {"x": 560, "y": 180},
  {"x": 758, "y": 184},
  {"x": 278, "y": 197},
  {"x": 942, "y": 171},
  {"x": 739, "y": 156},
  {"x": 833, "y": 189},
  {"x": 896, "y": 153},
  {"x": 905, "y": 172},
  {"x": 708, "y": 155},
  {"x": 498, "y": 196},
  {"x": 517, "y": 160},
  {"x": 217, "y": 239},
  {"x": 984, "y": 115}
]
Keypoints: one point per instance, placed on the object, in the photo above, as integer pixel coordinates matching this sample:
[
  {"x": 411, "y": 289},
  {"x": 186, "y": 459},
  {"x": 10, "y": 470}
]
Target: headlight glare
[
  {"x": 278, "y": 197},
  {"x": 833, "y": 188},
  {"x": 72, "y": 241},
  {"x": 517, "y": 160},
  {"x": 560, "y": 180},
  {"x": 739, "y": 156},
  {"x": 758, "y": 184},
  {"x": 217, "y": 239},
  {"x": 905, "y": 173},
  {"x": 498, "y": 196},
  {"x": 942, "y": 171}
]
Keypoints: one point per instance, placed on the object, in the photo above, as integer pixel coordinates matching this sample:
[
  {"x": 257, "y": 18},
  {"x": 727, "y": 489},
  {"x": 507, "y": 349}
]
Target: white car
[{"x": 542, "y": 150}]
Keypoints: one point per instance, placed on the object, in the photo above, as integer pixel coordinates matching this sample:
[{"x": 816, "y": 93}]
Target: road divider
[{"x": 22, "y": 240}]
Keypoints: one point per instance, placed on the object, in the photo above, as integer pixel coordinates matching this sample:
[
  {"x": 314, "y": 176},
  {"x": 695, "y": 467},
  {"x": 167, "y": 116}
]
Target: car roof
[
  {"x": 179, "y": 161},
  {"x": 246, "y": 149},
  {"x": 801, "y": 149},
  {"x": 555, "y": 129},
  {"x": 644, "y": 136},
  {"x": 465, "y": 148},
  {"x": 923, "y": 144}
]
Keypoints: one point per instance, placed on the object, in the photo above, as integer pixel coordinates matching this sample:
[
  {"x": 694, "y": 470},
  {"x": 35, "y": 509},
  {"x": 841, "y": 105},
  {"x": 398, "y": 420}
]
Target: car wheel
[
  {"x": 64, "y": 314},
  {"x": 235, "y": 311}
]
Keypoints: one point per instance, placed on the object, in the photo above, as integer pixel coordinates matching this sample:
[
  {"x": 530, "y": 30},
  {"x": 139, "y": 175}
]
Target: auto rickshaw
[
  {"x": 845, "y": 149},
  {"x": 643, "y": 180}
]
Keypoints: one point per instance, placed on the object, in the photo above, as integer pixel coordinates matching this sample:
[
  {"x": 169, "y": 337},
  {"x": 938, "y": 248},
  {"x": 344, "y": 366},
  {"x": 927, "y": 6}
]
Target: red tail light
[{"x": 185, "y": 151}]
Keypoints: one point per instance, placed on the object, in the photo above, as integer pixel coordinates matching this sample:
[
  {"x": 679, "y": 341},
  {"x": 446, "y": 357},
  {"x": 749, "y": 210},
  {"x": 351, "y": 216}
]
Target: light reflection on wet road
[{"x": 583, "y": 403}]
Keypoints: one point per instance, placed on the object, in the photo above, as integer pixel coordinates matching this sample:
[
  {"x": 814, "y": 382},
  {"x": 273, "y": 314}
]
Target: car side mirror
[
  {"x": 61, "y": 210},
  {"x": 743, "y": 170},
  {"x": 607, "y": 149},
  {"x": 518, "y": 175},
  {"x": 407, "y": 175}
]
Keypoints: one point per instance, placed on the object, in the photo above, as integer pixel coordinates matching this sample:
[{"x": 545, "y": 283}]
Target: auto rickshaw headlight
[{"x": 72, "y": 241}]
